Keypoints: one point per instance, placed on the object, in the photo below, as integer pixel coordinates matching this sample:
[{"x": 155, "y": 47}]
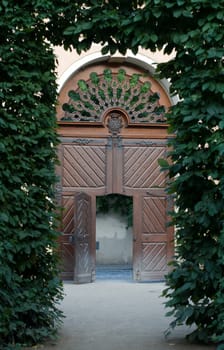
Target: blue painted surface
[{"x": 116, "y": 272}]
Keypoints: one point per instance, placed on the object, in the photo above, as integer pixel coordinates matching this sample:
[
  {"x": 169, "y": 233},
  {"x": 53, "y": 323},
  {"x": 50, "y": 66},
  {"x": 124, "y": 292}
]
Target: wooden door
[
  {"x": 83, "y": 175},
  {"x": 143, "y": 179},
  {"x": 66, "y": 241},
  {"x": 77, "y": 244},
  {"x": 112, "y": 145},
  {"x": 83, "y": 239},
  {"x": 153, "y": 238}
]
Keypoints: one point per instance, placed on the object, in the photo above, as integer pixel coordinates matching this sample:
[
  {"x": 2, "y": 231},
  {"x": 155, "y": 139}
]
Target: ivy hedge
[{"x": 29, "y": 286}]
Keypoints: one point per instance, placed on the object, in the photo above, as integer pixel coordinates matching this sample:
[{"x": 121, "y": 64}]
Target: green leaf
[
  {"x": 163, "y": 163},
  {"x": 4, "y": 217},
  {"x": 69, "y": 30},
  {"x": 105, "y": 49},
  {"x": 221, "y": 124}
]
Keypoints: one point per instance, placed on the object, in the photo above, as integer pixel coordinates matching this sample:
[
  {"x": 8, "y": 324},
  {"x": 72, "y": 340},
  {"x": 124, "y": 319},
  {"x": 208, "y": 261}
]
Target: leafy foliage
[
  {"x": 29, "y": 285},
  {"x": 195, "y": 286},
  {"x": 194, "y": 29}
]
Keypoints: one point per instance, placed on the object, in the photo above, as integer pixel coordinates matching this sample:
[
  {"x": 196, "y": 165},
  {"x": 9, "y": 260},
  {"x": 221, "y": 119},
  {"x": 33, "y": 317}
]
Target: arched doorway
[{"x": 113, "y": 132}]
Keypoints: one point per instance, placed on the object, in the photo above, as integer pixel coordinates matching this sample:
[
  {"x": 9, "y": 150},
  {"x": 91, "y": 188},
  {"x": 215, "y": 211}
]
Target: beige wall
[
  {"x": 67, "y": 58},
  {"x": 115, "y": 240}
]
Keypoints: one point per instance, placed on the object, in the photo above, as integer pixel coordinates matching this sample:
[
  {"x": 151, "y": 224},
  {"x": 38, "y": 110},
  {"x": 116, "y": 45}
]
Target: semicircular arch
[{"x": 133, "y": 66}]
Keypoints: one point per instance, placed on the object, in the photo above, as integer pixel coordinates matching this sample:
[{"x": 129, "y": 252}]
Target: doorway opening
[{"x": 114, "y": 237}]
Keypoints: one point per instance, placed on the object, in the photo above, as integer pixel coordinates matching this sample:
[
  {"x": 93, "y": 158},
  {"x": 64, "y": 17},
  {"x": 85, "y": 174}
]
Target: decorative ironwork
[
  {"x": 153, "y": 143},
  {"x": 112, "y": 90}
]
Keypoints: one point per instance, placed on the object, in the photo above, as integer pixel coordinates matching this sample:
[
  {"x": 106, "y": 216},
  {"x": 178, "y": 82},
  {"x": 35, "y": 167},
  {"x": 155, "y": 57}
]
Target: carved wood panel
[
  {"x": 84, "y": 270},
  {"x": 141, "y": 168},
  {"x": 129, "y": 167},
  {"x": 154, "y": 215},
  {"x": 84, "y": 166},
  {"x": 66, "y": 246},
  {"x": 154, "y": 238}
]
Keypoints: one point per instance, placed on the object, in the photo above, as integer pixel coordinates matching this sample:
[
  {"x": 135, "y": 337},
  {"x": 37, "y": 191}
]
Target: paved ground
[{"x": 117, "y": 315}]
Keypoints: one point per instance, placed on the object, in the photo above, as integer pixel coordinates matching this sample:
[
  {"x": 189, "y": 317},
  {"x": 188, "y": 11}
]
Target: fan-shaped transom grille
[{"x": 93, "y": 97}]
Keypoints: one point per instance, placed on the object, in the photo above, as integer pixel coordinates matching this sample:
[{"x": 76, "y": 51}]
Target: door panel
[
  {"x": 154, "y": 257},
  {"x": 77, "y": 242},
  {"x": 154, "y": 215},
  {"x": 83, "y": 236},
  {"x": 153, "y": 239},
  {"x": 141, "y": 168},
  {"x": 65, "y": 241},
  {"x": 84, "y": 166},
  {"x": 114, "y": 165}
]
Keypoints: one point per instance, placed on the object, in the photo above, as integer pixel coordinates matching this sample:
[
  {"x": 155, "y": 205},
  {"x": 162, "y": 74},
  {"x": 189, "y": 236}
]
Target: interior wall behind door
[{"x": 113, "y": 240}]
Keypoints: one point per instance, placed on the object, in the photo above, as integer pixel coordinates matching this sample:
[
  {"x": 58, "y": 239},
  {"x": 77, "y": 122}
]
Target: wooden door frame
[
  {"x": 83, "y": 132},
  {"x": 147, "y": 133}
]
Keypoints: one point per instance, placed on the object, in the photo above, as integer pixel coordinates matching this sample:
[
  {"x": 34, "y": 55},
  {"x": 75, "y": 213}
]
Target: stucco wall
[
  {"x": 67, "y": 58},
  {"x": 115, "y": 240}
]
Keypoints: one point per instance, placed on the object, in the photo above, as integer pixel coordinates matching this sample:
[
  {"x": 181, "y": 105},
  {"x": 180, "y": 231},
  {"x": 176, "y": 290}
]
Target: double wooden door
[{"x": 124, "y": 163}]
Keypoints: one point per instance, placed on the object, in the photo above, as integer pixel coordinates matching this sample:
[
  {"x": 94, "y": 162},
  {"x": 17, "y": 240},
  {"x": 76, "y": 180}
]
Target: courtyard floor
[{"x": 116, "y": 314}]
